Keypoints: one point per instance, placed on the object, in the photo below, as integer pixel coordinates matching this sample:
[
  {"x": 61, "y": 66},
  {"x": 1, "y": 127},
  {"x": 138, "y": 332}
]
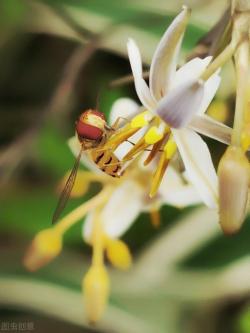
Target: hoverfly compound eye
[{"x": 91, "y": 125}]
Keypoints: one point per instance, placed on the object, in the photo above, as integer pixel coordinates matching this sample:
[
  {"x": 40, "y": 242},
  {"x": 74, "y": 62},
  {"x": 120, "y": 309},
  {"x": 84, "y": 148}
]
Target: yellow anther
[
  {"x": 219, "y": 111},
  {"x": 153, "y": 135},
  {"x": 141, "y": 120},
  {"x": 96, "y": 292},
  {"x": 170, "y": 148},
  {"x": 46, "y": 245},
  {"x": 118, "y": 254}
]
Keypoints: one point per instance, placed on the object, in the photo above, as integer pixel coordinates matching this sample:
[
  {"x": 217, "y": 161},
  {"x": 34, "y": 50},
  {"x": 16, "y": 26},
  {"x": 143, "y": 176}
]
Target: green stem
[{"x": 220, "y": 60}]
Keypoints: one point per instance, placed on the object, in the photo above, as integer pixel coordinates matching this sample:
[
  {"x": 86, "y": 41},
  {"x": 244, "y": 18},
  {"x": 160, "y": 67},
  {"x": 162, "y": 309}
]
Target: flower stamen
[
  {"x": 141, "y": 119},
  {"x": 168, "y": 152},
  {"x": 140, "y": 146},
  {"x": 155, "y": 217},
  {"x": 155, "y": 148},
  {"x": 96, "y": 282},
  {"x": 78, "y": 213},
  {"x": 47, "y": 244},
  {"x": 122, "y": 135}
]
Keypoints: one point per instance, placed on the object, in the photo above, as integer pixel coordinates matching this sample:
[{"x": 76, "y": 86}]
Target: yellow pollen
[
  {"x": 153, "y": 135},
  {"x": 141, "y": 120}
]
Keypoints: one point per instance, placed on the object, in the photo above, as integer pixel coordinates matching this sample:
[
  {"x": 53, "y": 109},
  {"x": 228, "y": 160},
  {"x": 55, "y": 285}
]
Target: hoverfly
[{"x": 92, "y": 131}]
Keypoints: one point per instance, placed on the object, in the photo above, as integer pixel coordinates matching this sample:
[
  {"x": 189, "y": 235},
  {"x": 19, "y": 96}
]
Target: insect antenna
[{"x": 67, "y": 188}]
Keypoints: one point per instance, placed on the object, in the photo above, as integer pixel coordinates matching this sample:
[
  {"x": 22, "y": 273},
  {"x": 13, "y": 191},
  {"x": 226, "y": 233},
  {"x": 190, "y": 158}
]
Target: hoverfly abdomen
[
  {"x": 91, "y": 125},
  {"x": 107, "y": 162}
]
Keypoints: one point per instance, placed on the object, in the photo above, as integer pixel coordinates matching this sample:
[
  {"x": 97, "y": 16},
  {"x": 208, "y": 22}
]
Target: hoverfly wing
[{"x": 64, "y": 196}]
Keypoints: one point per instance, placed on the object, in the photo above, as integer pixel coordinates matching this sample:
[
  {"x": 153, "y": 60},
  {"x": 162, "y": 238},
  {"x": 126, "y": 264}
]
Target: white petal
[
  {"x": 171, "y": 179},
  {"x": 198, "y": 163},
  {"x": 210, "y": 88},
  {"x": 182, "y": 196},
  {"x": 122, "y": 209},
  {"x": 123, "y": 107},
  {"x": 174, "y": 191},
  {"x": 75, "y": 147},
  {"x": 141, "y": 87},
  {"x": 165, "y": 57},
  {"x": 178, "y": 107},
  {"x": 211, "y": 128},
  {"x": 190, "y": 71}
]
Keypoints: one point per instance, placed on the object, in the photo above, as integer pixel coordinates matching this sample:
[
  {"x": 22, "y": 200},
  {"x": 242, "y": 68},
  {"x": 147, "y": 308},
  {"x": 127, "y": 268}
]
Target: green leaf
[
  {"x": 53, "y": 152},
  {"x": 243, "y": 322}
]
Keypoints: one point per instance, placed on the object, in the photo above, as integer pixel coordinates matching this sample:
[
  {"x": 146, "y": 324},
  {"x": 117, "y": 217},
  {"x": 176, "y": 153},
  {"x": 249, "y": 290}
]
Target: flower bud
[
  {"x": 46, "y": 245},
  {"x": 118, "y": 254},
  {"x": 96, "y": 291},
  {"x": 234, "y": 180}
]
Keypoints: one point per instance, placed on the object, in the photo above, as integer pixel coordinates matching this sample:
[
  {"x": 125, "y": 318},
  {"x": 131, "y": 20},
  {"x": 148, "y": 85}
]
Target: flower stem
[{"x": 220, "y": 60}]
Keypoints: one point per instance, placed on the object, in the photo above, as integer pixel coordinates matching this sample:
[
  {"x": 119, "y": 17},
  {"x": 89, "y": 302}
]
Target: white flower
[
  {"x": 130, "y": 193},
  {"x": 180, "y": 99}
]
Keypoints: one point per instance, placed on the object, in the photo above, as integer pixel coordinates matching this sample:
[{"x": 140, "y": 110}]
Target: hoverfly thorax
[{"x": 90, "y": 126}]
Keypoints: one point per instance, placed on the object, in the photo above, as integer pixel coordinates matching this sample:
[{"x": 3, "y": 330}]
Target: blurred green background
[{"x": 56, "y": 57}]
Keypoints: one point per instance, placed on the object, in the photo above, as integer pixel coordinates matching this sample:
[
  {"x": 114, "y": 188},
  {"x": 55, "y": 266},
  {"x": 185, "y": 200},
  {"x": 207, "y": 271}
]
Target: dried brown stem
[{"x": 17, "y": 151}]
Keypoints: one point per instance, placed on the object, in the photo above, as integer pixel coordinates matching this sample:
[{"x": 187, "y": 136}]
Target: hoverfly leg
[{"x": 115, "y": 125}]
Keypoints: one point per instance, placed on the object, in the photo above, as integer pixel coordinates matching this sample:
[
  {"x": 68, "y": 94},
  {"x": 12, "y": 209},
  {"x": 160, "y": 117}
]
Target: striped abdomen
[{"x": 107, "y": 162}]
